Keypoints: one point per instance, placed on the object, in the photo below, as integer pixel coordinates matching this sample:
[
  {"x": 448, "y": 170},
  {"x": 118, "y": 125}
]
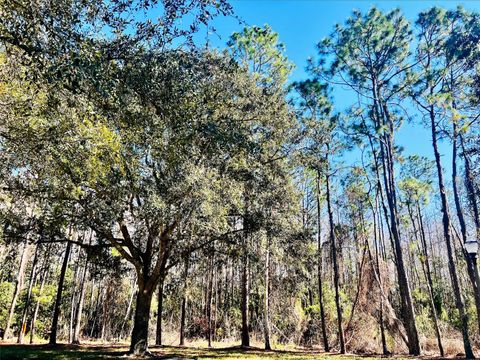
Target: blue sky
[{"x": 302, "y": 24}]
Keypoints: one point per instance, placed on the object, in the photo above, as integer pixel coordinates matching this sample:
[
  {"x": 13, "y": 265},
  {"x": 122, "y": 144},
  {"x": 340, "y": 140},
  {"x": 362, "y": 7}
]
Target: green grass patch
[{"x": 90, "y": 352}]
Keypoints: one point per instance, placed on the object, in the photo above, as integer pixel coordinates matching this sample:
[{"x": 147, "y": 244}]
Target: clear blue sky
[{"x": 302, "y": 24}]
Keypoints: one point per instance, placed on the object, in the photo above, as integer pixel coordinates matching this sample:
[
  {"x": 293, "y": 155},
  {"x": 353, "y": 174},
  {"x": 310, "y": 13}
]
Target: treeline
[{"x": 148, "y": 183}]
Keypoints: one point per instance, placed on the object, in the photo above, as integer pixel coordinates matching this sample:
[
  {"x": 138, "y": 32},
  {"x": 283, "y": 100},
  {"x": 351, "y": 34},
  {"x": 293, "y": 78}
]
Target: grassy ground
[{"x": 90, "y": 352}]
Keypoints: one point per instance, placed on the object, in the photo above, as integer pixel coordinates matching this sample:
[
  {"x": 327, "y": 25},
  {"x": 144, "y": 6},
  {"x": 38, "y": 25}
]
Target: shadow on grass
[
  {"x": 60, "y": 352},
  {"x": 93, "y": 351}
]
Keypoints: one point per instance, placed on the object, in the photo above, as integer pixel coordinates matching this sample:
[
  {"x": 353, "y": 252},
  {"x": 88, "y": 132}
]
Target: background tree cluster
[{"x": 150, "y": 186}]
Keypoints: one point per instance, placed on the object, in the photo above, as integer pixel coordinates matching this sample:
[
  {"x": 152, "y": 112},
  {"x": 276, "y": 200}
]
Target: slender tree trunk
[
  {"x": 58, "y": 299},
  {"x": 95, "y": 313},
  {"x": 267, "y": 296},
  {"x": 33, "y": 273},
  {"x": 216, "y": 300},
  {"x": 105, "y": 313},
  {"x": 18, "y": 287},
  {"x": 469, "y": 184},
  {"x": 245, "y": 297},
  {"x": 129, "y": 309},
  {"x": 158, "y": 337},
  {"x": 78, "y": 318},
  {"x": 334, "y": 260},
  {"x": 387, "y": 149},
  {"x": 209, "y": 300},
  {"x": 37, "y": 305},
  {"x": 184, "y": 303},
  {"x": 377, "y": 264},
  {"x": 73, "y": 296},
  {"x": 447, "y": 237},
  {"x": 427, "y": 272},
  {"x": 463, "y": 227}
]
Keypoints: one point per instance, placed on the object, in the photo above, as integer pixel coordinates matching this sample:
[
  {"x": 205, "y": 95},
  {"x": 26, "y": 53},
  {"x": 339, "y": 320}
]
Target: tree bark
[
  {"x": 463, "y": 227},
  {"x": 427, "y": 272},
  {"x": 139, "y": 341},
  {"x": 78, "y": 317},
  {"x": 209, "y": 300},
  {"x": 158, "y": 335},
  {"x": 18, "y": 288},
  {"x": 380, "y": 284},
  {"x": 245, "y": 297},
  {"x": 129, "y": 308},
  {"x": 382, "y": 116},
  {"x": 267, "y": 297},
  {"x": 447, "y": 236},
  {"x": 341, "y": 337},
  {"x": 43, "y": 278},
  {"x": 326, "y": 347},
  {"x": 73, "y": 296},
  {"x": 33, "y": 274},
  {"x": 58, "y": 299},
  {"x": 184, "y": 304}
]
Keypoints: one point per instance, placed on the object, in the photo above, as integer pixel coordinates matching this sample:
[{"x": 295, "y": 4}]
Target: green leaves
[{"x": 258, "y": 48}]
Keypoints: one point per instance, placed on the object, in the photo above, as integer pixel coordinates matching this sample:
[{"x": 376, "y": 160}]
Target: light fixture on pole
[{"x": 471, "y": 246}]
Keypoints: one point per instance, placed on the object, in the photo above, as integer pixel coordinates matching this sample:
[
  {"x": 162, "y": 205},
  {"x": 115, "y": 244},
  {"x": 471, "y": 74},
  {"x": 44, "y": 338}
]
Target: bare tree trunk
[
  {"x": 469, "y": 184},
  {"x": 73, "y": 296},
  {"x": 33, "y": 274},
  {"x": 129, "y": 308},
  {"x": 58, "y": 299},
  {"x": 427, "y": 272},
  {"x": 78, "y": 318},
  {"x": 341, "y": 337},
  {"x": 447, "y": 237},
  {"x": 377, "y": 264},
  {"x": 158, "y": 336},
  {"x": 184, "y": 303},
  {"x": 267, "y": 296},
  {"x": 245, "y": 296},
  {"x": 209, "y": 300},
  {"x": 139, "y": 341},
  {"x": 18, "y": 287},
  {"x": 471, "y": 269},
  {"x": 382, "y": 118},
  {"x": 326, "y": 347},
  {"x": 37, "y": 305}
]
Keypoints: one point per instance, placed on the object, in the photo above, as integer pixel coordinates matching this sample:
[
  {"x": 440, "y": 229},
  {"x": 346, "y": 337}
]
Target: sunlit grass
[{"x": 66, "y": 352}]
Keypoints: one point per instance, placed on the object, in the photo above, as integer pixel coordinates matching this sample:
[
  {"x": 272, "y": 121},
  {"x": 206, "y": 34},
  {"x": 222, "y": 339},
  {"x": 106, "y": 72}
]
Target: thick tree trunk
[
  {"x": 58, "y": 299},
  {"x": 447, "y": 237},
  {"x": 18, "y": 288},
  {"x": 139, "y": 341},
  {"x": 341, "y": 337}
]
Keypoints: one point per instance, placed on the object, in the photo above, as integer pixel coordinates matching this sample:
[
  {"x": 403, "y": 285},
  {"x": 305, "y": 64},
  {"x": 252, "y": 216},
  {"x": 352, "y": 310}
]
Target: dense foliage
[{"x": 148, "y": 186}]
